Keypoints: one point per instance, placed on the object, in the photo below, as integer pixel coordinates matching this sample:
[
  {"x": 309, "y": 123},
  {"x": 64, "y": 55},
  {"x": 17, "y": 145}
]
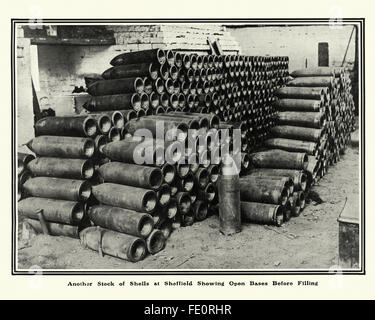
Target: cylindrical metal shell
[
  {"x": 143, "y": 56},
  {"x": 263, "y": 213},
  {"x": 298, "y": 105},
  {"x": 132, "y": 70},
  {"x": 299, "y": 178},
  {"x": 254, "y": 192},
  {"x": 61, "y": 168},
  {"x": 114, "y": 243},
  {"x": 183, "y": 202},
  {"x": 200, "y": 209},
  {"x": 297, "y": 133},
  {"x": 292, "y": 145},
  {"x": 302, "y": 119},
  {"x": 229, "y": 204},
  {"x": 312, "y": 93},
  {"x": 163, "y": 195},
  {"x": 138, "y": 199},
  {"x": 316, "y": 72},
  {"x": 55, "y": 229},
  {"x": 60, "y": 211},
  {"x": 321, "y": 81},
  {"x": 279, "y": 159},
  {"x": 64, "y": 147},
  {"x": 132, "y": 175},
  {"x": 73, "y": 126},
  {"x": 155, "y": 241},
  {"x": 114, "y": 102},
  {"x": 58, "y": 188},
  {"x": 122, "y": 220}
]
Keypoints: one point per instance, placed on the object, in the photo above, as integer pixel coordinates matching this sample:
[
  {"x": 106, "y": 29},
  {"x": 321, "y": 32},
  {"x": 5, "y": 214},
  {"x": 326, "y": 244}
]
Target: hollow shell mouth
[
  {"x": 210, "y": 193},
  {"x": 302, "y": 200},
  {"x": 182, "y": 132},
  {"x": 114, "y": 134},
  {"x": 136, "y": 102},
  {"x": 140, "y": 113},
  {"x": 164, "y": 100},
  {"x": 177, "y": 59},
  {"x": 145, "y": 102},
  {"x": 185, "y": 204},
  {"x": 155, "y": 242},
  {"x": 174, "y": 101},
  {"x": 118, "y": 120},
  {"x": 170, "y": 57},
  {"x": 215, "y": 121},
  {"x": 154, "y": 100},
  {"x": 169, "y": 86},
  {"x": 172, "y": 209},
  {"x": 284, "y": 196},
  {"x": 173, "y": 72},
  {"x": 147, "y": 85},
  {"x": 161, "y": 56},
  {"x": 199, "y": 62},
  {"x": 204, "y": 124},
  {"x": 87, "y": 170},
  {"x": 84, "y": 191},
  {"x": 303, "y": 182},
  {"x": 90, "y": 127},
  {"x": 201, "y": 211},
  {"x": 168, "y": 173},
  {"x": 89, "y": 148},
  {"x": 156, "y": 179},
  {"x": 137, "y": 250},
  {"x": 181, "y": 100},
  {"x": 186, "y": 61},
  {"x": 305, "y": 161},
  {"x": 164, "y": 195},
  {"x": 188, "y": 183},
  {"x": 77, "y": 213},
  {"x": 194, "y": 62},
  {"x": 164, "y": 73},
  {"x": 214, "y": 174},
  {"x": 145, "y": 226},
  {"x": 149, "y": 201},
  {"x": 183, "y": 169},
  {"x": 203, "y": 178},
  {"x": 279, "y": 216},
  {"x": 153, "y": 71},
  {"x": 139, "y": 85}
]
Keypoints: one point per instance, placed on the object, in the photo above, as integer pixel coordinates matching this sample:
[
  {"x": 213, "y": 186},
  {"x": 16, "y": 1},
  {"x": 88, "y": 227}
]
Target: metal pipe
[
  {"x": 127, "y": 197},
  {"x": 60, "y": 211},
  {"x": 263, "y": 213},
  {"x": 132, "y": 175},
  {"x": 114, "y": 243},
  {"x": 61, "y": 168},
  {"x": 58, "y": 188},
  {"x": 143, "y": 56},
  {"x": 122, "y": 220},
  {"x": 80, "y": 126}
]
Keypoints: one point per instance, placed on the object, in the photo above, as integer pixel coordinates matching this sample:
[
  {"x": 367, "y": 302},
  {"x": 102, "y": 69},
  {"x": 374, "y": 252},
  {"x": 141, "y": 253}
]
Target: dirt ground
[{"x": 309, "y": 241}]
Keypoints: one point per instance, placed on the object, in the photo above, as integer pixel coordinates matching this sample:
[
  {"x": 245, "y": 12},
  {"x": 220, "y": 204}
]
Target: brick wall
[{"x": 297, "y": 42}]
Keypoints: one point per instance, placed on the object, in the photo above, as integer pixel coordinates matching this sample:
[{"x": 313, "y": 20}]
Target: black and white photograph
[{"x": 188, "y": 146}]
